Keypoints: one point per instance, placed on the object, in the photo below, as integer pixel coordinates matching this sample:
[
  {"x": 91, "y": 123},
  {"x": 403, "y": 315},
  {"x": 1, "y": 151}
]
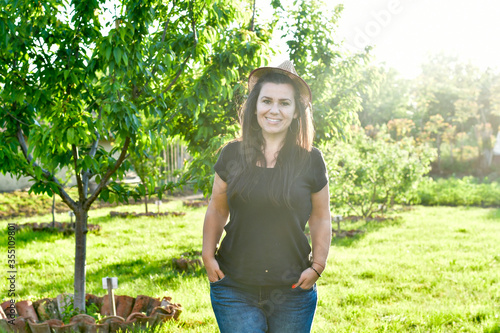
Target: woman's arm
[
  {"x": 215, "y": 220},
  {"x": 320, "y": 226}
]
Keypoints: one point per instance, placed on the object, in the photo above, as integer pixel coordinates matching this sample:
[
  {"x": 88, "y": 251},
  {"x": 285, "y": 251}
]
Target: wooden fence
[{"x": 174, "y": 155}]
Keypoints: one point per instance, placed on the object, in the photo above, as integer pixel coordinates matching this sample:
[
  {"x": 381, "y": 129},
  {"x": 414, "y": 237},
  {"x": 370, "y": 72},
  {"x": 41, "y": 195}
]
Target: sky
[{"x": 404, "y": 33}]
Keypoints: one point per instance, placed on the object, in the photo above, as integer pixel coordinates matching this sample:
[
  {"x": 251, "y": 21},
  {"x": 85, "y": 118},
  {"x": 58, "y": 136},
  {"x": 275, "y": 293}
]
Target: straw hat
[{"x": 287, "y": 69}]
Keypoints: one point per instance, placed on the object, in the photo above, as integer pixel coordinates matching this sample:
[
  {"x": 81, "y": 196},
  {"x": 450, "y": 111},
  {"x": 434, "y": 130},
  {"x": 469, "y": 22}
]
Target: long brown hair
[{"x": 292, "y": 158}]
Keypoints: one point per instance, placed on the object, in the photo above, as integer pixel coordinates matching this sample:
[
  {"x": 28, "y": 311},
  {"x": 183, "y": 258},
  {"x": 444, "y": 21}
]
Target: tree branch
[
  {"x": 165, "y": 30},
  {"x": 193, "y": 26},
  {"x": 74, "y": 150},
  {"x": 24, "y": 148},
  {"x": 163, "y": 37},
  {"x": 43, "y": 56},
  {"x": 195, "y": 43},
  {"x": 252, "y": 22},
  {"x": 179, "y": 72},
  {"x": 107, "y": 176},
  {"x": 93, "y": 150},
  {"x": 354, "y": 209},
  {"x": 18, "y": 120},
  {"x": 13, "y": 68},
  {"x": 162, "y": 40},
  {"x": 86, "y": 174}
]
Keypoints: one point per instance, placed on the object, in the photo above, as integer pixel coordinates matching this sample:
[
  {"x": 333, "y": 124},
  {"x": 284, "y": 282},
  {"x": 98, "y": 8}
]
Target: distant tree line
[{"x": 452, "y": 106}]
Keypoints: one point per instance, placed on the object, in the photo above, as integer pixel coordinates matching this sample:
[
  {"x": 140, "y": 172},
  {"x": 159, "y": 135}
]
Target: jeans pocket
[
  {"x": 218, "y": 281},
  {"x": 306, "y": 290}
]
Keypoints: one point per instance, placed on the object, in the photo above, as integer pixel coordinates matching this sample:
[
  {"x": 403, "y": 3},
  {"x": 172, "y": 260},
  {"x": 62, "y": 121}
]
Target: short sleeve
[
  {"x": 226, "y": 160},
  {"x": 318, "y": 170}
]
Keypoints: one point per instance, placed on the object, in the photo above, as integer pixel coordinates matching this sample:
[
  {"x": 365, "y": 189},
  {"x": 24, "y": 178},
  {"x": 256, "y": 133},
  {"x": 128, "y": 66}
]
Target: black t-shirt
[{"x": 264, "y": 243}]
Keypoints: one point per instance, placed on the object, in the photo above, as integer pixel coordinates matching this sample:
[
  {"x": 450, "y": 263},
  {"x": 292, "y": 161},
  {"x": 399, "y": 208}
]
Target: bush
[
  {"x": 467, "y": 191},
  {"x": 367, "y": 172}
]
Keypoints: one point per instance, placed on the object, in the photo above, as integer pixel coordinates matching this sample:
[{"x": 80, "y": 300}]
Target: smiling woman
[
  {"x": 270, "y": 184},
  {"x": 275, "y": 110}
]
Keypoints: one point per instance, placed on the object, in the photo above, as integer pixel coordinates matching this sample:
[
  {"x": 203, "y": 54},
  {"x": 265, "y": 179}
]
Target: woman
[{"x": 270, "y": 183}]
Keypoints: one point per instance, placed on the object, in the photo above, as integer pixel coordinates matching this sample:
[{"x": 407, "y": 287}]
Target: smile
[{"x": 274, "y": 121}]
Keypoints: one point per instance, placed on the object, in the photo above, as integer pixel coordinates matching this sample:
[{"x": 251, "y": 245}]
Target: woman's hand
[
  {"x": 307, "y": 279},
  {"x": 213, "y": 270}
]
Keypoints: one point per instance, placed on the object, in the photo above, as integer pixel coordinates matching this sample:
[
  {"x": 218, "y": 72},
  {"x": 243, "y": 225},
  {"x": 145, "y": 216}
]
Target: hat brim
[{"x": 305, "y": 91}]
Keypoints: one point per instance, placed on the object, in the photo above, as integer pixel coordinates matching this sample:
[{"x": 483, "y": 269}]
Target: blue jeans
[{"x": 241, "y": 308}]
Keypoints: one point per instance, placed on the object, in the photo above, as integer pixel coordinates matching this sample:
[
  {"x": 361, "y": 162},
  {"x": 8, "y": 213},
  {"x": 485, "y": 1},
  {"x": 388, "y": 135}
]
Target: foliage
[
  {"x": 369, "y": 171},
  {"x": 436, "y": 130},
  {"x": 400, "y": 128},
  {"x": 388, "y": 97},
  {"x": 448, "y": 102},
  {"x": 149, "y": 164},
  {"x": 69, "y": 310},
  {"x": 335, "y": 77},
  {"x": 468, "y": 191}
]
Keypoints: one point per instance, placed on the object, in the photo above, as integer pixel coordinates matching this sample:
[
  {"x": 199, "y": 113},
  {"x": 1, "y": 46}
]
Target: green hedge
[{"x": 467, "y": 191}]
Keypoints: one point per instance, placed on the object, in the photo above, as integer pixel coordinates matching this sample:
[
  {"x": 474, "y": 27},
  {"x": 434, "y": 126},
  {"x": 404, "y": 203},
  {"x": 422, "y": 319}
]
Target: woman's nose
[{"x": 274, "y": 108}]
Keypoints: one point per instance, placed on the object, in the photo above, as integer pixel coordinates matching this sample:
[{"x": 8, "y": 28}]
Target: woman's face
[{"x": 275, "y": 109}]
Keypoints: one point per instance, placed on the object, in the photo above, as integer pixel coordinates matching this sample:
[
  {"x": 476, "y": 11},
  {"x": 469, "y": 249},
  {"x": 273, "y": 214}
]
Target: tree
[
  {"x": 68, "y": 82},
  {"x": 148, "y": 164},
  {"x": 386, "y": 99},
  {"x": 464, "y": 96},
  {"x": 434, "y": 131},
  {"x": 400, "y": 128},
  {"x": 365, "y": 171},
  {"x": 488, "y": 101},
  {"x": 335, "y": 77}
]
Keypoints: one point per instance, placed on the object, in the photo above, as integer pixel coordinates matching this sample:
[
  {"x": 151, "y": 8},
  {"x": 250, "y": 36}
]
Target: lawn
[{"x": 430, "y": 270}]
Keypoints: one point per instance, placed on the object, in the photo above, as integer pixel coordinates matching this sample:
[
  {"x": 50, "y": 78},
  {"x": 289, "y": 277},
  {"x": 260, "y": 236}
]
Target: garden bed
[
  {"x": 150, "y": 214},
  {"x": 57, "y": 315},
  {"x": 64, "y": 227}
]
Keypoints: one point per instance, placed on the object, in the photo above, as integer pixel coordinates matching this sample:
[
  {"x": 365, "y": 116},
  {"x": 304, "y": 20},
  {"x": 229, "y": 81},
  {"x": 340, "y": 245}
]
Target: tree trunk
[
  {"x": 53, "y": 210},
  {"x": 81, "y": 217},
  {"x": 438, "y": 145},
  {"x": 146, "y": 200}
]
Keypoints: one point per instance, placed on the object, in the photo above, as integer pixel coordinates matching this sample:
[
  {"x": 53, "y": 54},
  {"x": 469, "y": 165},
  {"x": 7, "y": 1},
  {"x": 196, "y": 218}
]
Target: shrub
[
  {"x": 468, "y": 191},
  {"x": 366, "y": 172}
]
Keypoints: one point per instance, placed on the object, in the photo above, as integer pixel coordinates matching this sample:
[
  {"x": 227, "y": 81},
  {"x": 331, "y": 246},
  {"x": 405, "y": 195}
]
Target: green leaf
[
  {"x": 118, "y": 54},
  {"x": 104, "y": 194},
  {"x": 108, "y": 53},
  {"x": 70, "y": 134},
  {"x": 122, "y": 34}
]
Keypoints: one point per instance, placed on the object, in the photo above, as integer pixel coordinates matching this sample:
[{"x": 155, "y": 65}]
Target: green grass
[{"x": 435, "y": 269}]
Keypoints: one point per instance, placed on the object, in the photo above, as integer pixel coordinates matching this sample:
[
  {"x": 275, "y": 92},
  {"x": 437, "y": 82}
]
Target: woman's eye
[
  {"x": 285, "y": 103},
  {"x": 266, "y": 101}
]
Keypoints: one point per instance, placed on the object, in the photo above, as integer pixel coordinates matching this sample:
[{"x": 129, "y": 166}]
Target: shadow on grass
[
  {"x": 161, "y": 271},
  {"x": 42, "y": 284},
  {"x": 26, "y": 236},
  {"x": 100, "y": 220},
  {"x": 365, "y": 226}
]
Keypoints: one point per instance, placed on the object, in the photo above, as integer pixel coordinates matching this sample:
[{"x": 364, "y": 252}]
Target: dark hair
[{"x": 292, "y": 157}]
